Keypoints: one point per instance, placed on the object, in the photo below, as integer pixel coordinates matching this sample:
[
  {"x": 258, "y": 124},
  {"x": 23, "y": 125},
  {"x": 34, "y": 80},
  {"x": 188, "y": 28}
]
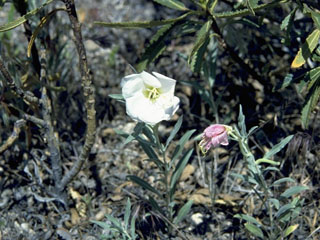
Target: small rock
[
  {"x": 91, "y": 45},
  {"x": 197, "y": 218}
]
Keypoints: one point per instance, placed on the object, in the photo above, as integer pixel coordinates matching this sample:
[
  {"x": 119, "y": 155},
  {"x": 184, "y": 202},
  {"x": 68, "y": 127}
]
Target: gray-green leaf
[
  {"x": 184, "y": 210},
  {"x": 254, "y": 230},
  {"x": 293, "y": 190},
  {"x": 22, "y": 19},
  {"x": 174, "y": 4},
  {"x": 143, "y": 184},
  {"x": 276, "y": 148},
  {"x": 199, "y": 47}
]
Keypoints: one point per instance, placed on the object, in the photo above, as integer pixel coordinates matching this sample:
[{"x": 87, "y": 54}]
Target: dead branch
[
  {"x": 26, "y": 95},
  {"x": 14, "y": 135},
  {"x": 88, "y": 92}
]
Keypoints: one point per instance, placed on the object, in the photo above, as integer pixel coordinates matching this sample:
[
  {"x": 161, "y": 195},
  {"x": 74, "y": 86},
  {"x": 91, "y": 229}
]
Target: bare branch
[
  {"x": 88, "y": 92},
  {"x": 53, "y": 142},
  {"x": 14, "y": 135},
  {"x": 34, "y": 119},
  {"x": 27, "y": 96}
]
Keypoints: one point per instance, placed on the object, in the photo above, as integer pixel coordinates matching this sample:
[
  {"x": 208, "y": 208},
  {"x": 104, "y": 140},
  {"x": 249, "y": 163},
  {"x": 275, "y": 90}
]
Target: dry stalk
[{"x": 88, "y": 92}]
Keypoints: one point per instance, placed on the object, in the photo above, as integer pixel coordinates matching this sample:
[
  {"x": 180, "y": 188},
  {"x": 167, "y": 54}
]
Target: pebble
[{"x": 197, "y": 218}]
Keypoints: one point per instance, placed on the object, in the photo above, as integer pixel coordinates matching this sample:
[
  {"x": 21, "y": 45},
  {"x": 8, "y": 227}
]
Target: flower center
[{"x": 152, "y": 93}]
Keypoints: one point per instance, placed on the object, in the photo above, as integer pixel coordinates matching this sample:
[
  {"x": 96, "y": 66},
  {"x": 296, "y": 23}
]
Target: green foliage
[
  {"x": 276, "y": 148},
  {"x": 255, "y": 230},
  {"x": 21, "y": 20},
  {"x": 251, "y": 4},
  {"x": 143, "y": 184},
  {"x": 142, "y": 24},
  {"x": 241, "y": 122},
  {"x": 173, "y": 133},
  {"x": 313, "y": 95},
  {"x": 293, "y": 191},
  {"x": 156, "y": 47},
  {"x": 170, "y": 171},
  {"x": 184, "y": 210},
  {"x": 281, "y": 212},
  {"x": 306, "y": 50},
  {"x": 117, "y": 228},
  {"x": 178, "y": 171},
  {"x": 43, "y": 22},
  {"x": 196, "y": 57},
  {"x": 174, "y": 4}
]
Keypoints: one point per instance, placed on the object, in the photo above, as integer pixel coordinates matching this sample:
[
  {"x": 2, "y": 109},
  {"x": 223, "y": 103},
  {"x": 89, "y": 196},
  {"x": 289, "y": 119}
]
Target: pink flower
[{"x": 213, "y": 136}]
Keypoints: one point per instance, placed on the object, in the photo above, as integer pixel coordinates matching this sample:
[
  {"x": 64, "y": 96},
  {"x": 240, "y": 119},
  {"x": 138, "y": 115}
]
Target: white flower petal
[
  {"x": 130, "y": 77},
  {"x": 150, "y": 80},
  {"x": 131, "y": 85},
  {"x": 149, "y": 110},
  {"x": 142, "y": 109},
  {"x": 167, "y": 84}
]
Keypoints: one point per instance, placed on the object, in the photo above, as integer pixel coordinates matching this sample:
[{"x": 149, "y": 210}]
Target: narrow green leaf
[
  {"x": 285, "y": 82},
  {"x": 276, "y": 148},
  {"x": 282, "y": 180},
  {"x": 149, "y": 134},
  {"x": 43, "y": 22},
  {"x": 133, "y": 227},
  {"x": 271, "y": 169},
  {"x": 285, "y": 209},
  {"x": 180, "y": 146},
  {"x": 252, "y": 130},
  {"x": 143, "y": 184},
  {"x": 311, "y": 77},
  {"x": 179, "y": 169},
  {"x": 116, "y": 223},
  {"x": 116, "y": 96},
  {"x": 130, "y": 137},
  {"x": 242, "y": 123},
  {"x": 212, "y": 60},
  {"x": 183, "y": 211},
  {"x": 288, "y": 19},
  {"x": 22, "y": 19},
  {"x": 141, "y": 24},
  {"x": 155, "y": 48},
  {"x": 293, "y": 190},
  {"x": 310, "y": 103},
  {"x": 103, "y": 225},
  {"x": 237, "y": 175},
  {"x": 251, "y": 4},
  {"x": 290, "y": 230},
  {"x": 211, "y": 5},
  {"x": 307, "y": 48},
  {"x": 256, "y": 231},
  {"x": 316, "y": 18},
  {"x": 174, "y": 4},
  {"x": 173, "y": 133},
  {"x": 199, "y": 47},
  {"x": 127, "y": 213},
  {"x": 247, "y": 218},
  {"x": 148, "y": 149},
  {"x": 275, "y": 202},
  {"x": 155, "y": 205},
  {"x": 265, "y": 160}
]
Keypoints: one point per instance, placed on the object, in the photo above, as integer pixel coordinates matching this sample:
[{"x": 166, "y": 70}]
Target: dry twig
[
  {"x": 14, "y": 135},
  {"x": 88, "y": 92}
]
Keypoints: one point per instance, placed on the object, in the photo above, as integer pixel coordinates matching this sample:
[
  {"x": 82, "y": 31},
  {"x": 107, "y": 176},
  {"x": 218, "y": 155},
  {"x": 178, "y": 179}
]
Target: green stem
[{"x": 166, "y": 173}]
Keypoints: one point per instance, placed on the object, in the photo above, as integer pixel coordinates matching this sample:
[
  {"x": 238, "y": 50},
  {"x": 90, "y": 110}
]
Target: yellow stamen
[{"x": 152, "y": 93}]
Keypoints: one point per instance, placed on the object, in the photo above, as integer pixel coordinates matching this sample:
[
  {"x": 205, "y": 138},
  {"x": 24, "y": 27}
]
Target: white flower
[{"x": 149, "y": 98}]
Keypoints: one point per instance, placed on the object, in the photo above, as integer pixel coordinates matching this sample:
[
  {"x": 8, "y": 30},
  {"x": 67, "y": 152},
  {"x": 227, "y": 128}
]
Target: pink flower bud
[{"x": 213, "y": 136}]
